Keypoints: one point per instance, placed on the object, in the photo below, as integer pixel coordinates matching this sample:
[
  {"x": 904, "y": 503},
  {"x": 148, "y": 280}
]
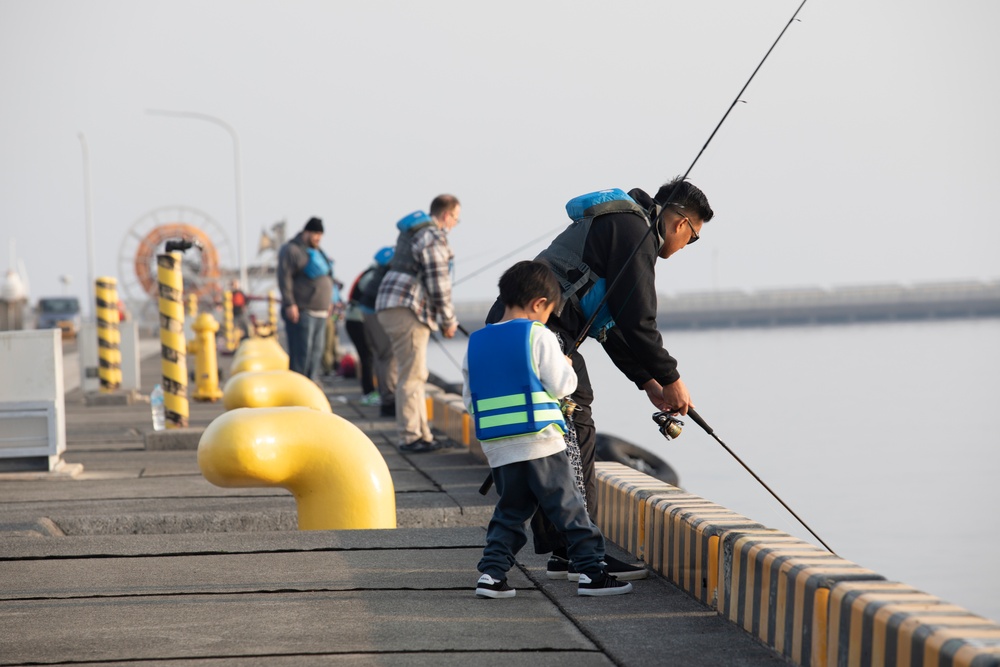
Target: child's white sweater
[{"x": 558, "y": 378}]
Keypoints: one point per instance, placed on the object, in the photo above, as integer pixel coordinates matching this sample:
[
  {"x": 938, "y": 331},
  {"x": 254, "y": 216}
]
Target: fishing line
[
  {"x": 653, "y": 224},
  {"x": 513, "y": 252},
  {"x": 708, "y": 429},
  {"x": 656, "y": 220}
]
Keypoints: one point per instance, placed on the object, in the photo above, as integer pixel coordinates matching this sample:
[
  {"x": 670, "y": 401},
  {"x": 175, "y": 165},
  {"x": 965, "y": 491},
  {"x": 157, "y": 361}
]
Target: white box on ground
[{"x": 32, "y": 400}]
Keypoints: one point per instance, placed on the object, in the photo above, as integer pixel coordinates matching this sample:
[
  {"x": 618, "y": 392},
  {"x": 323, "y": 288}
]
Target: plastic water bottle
[{"x": 156, "y": 406}]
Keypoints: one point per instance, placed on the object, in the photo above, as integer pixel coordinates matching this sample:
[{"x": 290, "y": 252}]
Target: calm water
[{"x": 883, "y": 437}]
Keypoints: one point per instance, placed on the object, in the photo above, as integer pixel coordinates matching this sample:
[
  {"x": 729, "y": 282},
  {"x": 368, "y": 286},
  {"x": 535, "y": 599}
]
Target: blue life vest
[
  {"x": 565, "y": 254},
  {"x": 402, "y": 257},
  {"x": 318, "y": 265},
  {"x": 508, "y": 399}
]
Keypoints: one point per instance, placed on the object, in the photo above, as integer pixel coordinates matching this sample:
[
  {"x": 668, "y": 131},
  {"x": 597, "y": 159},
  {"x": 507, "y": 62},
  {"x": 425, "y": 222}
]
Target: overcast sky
[{"x": 868, "y": 150}]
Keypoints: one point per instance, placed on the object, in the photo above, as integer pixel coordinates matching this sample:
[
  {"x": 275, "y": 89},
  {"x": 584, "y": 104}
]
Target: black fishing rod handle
[
  {"x": 487, "y": 485},
  {"x": 699, "y": 421}
]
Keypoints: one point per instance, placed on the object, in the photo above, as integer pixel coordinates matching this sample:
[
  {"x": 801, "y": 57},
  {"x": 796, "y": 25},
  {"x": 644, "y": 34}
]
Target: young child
[{"x": 515, "y": 373}]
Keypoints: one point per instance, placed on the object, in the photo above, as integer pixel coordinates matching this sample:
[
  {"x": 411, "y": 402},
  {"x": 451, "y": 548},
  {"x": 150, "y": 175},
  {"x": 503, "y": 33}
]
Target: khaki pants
[{"x": 409, "y": 338}]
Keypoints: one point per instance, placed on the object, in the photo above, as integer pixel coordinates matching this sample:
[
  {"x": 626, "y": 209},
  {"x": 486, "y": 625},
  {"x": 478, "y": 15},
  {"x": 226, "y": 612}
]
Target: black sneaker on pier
[
  {"x": 488, "y": 587},
  {"x": 601, "y": 584},
  {"x": 557, "y": 568},
  {"x": 616, "y": 568}
]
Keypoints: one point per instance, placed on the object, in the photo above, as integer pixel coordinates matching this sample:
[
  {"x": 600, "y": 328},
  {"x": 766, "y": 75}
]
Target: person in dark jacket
[
  {"x": 677, "y": 213},
  {"x": 370, "y": 339},
  {"x": 305, "y": 279}
]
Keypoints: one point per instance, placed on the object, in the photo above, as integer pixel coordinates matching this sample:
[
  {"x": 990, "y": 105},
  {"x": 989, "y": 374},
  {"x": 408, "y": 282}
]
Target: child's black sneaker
[
  {"x": 557, "y": 568},
  {"x": 616, "y": 568},
  {"x": 601, "y": 584},
  {"x": 488, "y": 587}
]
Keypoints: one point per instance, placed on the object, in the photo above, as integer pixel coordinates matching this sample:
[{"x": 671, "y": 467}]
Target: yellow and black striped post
[
  {"x": 108, "y": 336},
  {"x": 228, "y": 330},
  {"x": 173, "y": 345}
]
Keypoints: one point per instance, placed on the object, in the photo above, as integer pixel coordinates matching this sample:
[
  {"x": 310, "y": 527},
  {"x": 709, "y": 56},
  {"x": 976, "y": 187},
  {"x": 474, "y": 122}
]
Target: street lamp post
[
  {"x": 239, "y": 178},
  {"x": 89, "y": 209}
]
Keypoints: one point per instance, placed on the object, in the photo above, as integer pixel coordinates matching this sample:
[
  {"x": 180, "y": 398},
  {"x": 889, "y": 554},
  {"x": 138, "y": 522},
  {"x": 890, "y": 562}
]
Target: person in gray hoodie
[{"x": 305, "y": 279}]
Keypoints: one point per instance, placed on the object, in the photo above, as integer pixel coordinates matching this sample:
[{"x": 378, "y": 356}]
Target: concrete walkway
[{"x": 139, "y": 559}]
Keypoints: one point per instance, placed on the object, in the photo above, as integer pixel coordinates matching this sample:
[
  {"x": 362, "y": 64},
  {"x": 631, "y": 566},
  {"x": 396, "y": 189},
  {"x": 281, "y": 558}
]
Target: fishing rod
[
  {"x": 484, "y": 489},
  {"x": 510, "y": 254},
  {"x": 708, "y": 429},
  {"x": 656, "y": 220},
  {"x": 444, "y": 348},
  {"x": 669, "y": 426}
]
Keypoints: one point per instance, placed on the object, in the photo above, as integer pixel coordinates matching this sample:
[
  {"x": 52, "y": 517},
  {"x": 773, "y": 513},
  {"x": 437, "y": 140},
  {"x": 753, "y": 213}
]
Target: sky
[{"x": 867, "y": 150}]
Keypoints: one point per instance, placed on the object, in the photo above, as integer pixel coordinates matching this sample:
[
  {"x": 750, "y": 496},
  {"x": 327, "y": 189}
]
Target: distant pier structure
[
  {"x": 839, "y": 305},
  {"x": 808, "y": 305}
]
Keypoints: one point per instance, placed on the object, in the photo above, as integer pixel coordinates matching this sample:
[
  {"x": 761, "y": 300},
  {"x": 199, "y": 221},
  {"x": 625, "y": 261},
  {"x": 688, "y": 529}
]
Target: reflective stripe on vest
[{"x": 508, "y": 399}]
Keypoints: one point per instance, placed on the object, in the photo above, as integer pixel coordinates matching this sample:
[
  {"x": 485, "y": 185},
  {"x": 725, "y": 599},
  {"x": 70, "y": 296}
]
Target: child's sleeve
[{"x": 555, "y": 372}]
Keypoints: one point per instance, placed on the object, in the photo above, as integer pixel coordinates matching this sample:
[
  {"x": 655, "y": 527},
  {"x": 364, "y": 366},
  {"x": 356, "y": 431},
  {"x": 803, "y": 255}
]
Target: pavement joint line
[
  {"x": 573, "y": 620},
  {"x": 317, "y": 654},
  {"x": 143, "y": 474},
  {"x": 263, "y": 493},
  {"x": 241, "y": 591},
  {"x": 429, "y": 479},
  {"x": 181, "y": 554}
]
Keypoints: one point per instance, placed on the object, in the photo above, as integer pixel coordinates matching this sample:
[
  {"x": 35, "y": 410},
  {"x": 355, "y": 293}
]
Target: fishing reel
[
  {"x": 670, "y": 426},
  {"x": 568, "y": 407}
]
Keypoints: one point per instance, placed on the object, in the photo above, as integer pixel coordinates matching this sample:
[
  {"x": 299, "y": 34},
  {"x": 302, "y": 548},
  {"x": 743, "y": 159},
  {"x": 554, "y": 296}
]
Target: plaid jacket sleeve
[{"x": 435, "y": 255}]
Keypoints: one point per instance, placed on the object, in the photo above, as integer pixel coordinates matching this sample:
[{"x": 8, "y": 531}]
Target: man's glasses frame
[{"x": 694, "y": 234}]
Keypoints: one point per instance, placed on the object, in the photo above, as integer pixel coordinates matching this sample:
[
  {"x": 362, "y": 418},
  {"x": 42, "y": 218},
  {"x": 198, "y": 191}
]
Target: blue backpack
[
  {"x": 318, "y": 265},
  {"x": 565, "y": 254}
]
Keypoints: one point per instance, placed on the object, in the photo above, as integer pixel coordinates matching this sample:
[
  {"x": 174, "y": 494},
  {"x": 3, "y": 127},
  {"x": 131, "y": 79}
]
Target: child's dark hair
[{"x": 527, "y": 281}]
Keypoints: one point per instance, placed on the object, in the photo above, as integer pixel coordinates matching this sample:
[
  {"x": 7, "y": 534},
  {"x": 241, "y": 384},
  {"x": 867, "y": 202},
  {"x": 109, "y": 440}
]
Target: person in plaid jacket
[{"x": 414, "y": 300}]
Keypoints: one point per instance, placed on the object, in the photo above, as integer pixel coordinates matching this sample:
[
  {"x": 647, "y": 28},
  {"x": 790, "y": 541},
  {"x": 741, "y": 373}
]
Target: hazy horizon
[{"x": 866, "y": 152}]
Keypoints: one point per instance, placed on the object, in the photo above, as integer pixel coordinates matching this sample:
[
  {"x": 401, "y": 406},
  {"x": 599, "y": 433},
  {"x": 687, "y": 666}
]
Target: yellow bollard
[
  {"x": 259, "y": 354},
  {"x": 272, "y": 311},
  {"x": 229, "y": 331},
  {"x": 173, "y": 346},
  {"x": 108, "y": 336},
  {"x": 253, "y": 347},
  {"x": 206, "y": 363},
  {"x": 338, "y": 478},
  {"x": 192, "y": 306},
  {"x": 273, "y": 389}
]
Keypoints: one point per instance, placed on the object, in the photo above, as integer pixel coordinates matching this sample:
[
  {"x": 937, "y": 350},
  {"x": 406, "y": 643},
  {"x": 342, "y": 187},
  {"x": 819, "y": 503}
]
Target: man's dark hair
[
  {"x": 687, "y": 198},
  {"x": 442, "y": 204},
  {"x": 527, "y": 281}
]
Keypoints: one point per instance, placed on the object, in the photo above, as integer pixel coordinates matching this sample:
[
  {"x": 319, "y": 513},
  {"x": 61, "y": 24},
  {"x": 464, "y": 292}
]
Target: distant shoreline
[{"x": 805, "y": 306}]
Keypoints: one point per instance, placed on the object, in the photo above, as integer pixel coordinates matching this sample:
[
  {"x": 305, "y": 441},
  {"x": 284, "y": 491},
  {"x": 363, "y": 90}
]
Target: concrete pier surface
[{"x": 138, "y": 559}]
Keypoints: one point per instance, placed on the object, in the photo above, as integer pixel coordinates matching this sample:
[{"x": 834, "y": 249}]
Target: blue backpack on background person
[{"x": 318, "y": 265}]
